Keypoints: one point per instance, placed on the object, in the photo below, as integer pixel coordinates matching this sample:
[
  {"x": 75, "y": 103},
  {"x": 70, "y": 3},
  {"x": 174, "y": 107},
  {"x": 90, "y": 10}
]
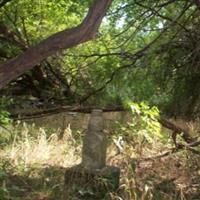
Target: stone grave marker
[{"x": 92, "y": 178}]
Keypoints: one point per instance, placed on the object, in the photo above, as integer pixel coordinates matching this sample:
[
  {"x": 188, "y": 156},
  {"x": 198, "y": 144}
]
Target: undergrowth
[{"x": 33, "y": 162}]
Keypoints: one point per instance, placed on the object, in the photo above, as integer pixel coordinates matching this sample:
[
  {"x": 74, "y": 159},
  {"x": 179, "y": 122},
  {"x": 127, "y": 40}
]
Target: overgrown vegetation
[
  {"x": 34, "y": 160},
  {"x": 146, "y": 51},
  {"x": 145, "y": 58}
]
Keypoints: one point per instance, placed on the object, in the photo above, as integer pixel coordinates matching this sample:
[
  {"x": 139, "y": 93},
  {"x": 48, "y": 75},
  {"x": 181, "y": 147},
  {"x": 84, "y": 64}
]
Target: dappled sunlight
[
  {"x": 43, "y": 149},
  {"x": 36, "y": 160},
  {"x": 100, "y": 100}
]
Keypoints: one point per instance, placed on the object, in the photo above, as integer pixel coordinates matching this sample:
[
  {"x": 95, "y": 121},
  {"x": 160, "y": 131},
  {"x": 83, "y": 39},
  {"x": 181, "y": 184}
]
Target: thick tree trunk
[{"x": 62, "y": 40}]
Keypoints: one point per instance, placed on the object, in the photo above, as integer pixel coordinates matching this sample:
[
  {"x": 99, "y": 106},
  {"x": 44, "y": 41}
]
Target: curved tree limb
[{"x": 62, "y": 40}]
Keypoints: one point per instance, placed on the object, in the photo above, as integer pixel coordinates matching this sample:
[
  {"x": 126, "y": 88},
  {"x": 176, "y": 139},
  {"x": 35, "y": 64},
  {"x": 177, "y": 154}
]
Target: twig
[{"x": 6, "y": 129}]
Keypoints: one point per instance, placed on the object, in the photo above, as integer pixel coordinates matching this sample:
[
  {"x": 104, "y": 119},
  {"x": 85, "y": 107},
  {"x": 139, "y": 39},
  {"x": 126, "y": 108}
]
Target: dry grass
[
  {"x": 34, "y": 160},
  {"x": 43, "y": 149}
]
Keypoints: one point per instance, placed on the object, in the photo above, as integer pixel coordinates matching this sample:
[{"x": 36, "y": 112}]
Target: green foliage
[
  {"x": 144, "y": 125},
  {"x": 4, "y": 192},
  {"x": 4, "y": 115},
  {"x": 163, "y": 76},
  {"x": 108, "y": 70}
]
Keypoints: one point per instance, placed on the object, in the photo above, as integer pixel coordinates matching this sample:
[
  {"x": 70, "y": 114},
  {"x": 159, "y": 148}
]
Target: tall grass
[
  {"x": 40, "y": 147},
  {"x": 33, "y": 162}
]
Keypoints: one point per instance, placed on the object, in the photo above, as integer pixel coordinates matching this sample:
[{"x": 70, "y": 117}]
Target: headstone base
[{"x": 90, "y": 184}]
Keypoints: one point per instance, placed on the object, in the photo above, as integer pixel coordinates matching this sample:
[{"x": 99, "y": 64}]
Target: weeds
[{"x": 33, "y": 162}]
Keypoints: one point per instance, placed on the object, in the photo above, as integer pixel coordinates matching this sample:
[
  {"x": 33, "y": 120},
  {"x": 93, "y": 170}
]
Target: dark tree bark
[
  {"x": 62, "y": 40},
  {"x": 197, "y": 2}
]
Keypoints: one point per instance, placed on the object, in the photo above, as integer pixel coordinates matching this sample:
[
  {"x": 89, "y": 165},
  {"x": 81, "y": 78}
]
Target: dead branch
[
  {"x": 176, "y": 131},
  {"x": 57, "y": 110}
]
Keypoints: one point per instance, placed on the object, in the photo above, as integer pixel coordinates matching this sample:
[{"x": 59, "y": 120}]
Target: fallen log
[
  {"x": 176, "y": 130},
  {"x": 47, "y": 112}
]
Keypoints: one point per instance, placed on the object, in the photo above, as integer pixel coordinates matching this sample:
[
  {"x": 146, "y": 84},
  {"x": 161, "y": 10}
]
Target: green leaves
[
  {"x": 3, "y": 175},
  {"x": 159, "y": 74},
  {"x": 144, "y": 121},
  {"x": 4, "y": 115}
]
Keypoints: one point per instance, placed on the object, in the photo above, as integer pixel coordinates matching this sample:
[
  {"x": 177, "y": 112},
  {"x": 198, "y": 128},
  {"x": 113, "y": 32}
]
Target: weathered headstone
[
  {"x": 94, "y": 143},
  {"x": 92, "y": 179}
]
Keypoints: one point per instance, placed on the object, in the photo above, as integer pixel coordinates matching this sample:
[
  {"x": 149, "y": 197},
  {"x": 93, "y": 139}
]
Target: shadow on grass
[
  {"x": 45, "y": 183},
  {"x": 169, "y": 178}
]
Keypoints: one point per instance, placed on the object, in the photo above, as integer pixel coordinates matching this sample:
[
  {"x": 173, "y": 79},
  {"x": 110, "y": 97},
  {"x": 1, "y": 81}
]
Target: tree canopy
[{"x": 143, "y": 51}]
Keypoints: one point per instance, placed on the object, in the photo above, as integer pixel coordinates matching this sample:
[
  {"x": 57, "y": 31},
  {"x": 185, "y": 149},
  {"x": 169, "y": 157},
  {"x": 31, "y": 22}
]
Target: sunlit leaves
[{"x": 144, "y": 121}]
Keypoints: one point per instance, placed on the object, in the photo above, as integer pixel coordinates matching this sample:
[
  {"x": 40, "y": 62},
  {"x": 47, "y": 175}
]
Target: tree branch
[{"x": 62, "y": 40}]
